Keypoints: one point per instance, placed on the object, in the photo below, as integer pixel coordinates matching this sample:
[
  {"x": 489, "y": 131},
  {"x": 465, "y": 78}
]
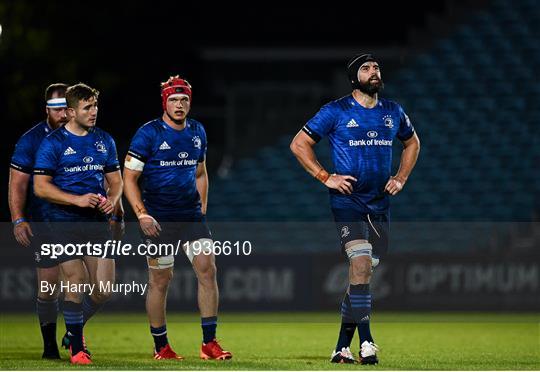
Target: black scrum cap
[{"x": 353, "y": 66}]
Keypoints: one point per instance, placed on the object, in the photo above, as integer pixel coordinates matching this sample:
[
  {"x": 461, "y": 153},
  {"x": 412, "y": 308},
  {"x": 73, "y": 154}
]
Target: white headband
[
  {"x": 178, "y": 95},
  {"x": 57, "y": 103}
]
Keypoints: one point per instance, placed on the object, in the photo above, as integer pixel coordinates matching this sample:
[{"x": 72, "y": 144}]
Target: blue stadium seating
[{"x": 473, "y": 98}]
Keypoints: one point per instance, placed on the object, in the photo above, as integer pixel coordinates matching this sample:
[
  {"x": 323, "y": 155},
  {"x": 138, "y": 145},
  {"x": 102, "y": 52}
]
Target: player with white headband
[{"x": 26, "y": 208}]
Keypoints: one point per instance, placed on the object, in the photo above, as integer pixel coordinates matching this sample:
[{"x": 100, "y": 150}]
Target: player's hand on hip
[
  {"x": 89, "y": 200},
  {"x": 149, "y": 225},
  {"x": 394, "y": 185},
  {"x": 23, "y": 232},
  {"x": 341, "y": 183}
]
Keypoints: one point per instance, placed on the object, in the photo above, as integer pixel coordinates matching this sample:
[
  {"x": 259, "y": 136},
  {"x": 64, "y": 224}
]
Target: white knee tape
[
  {"x": 199, "y": 246},
  {"x": 164, "y": 262},
  {"x": 362, "y": 249}
]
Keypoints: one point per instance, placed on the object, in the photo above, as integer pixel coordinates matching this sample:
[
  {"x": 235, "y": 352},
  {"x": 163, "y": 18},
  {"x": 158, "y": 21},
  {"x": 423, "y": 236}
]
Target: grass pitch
[{"x": 291, "y": 341}]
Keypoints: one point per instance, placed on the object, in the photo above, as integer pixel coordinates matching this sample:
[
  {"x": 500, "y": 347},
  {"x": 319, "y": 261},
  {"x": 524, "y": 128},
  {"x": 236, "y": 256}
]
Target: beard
[
  {"x": 371, "y": 87},
  {"x": 57, "y": 123}
]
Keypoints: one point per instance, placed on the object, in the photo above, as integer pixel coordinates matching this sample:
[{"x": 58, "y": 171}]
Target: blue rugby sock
[
  {"x": 209, "y": 326},
  {"x": 361, "y": 309},
  {"x": 348, "y": 325},
  {"x": 47, "y": 311},
  {"x": 160, "y": 336},
  {"x": 73, "y": 316}
]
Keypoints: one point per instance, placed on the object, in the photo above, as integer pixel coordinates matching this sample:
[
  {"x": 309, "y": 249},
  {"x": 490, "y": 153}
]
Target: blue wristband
[
  {"x": 117, "y": 218},
  {"x": 18, "y": 221}
]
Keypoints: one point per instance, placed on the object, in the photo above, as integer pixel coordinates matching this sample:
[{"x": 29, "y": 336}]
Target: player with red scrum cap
[{"x": 169, "y": 155}]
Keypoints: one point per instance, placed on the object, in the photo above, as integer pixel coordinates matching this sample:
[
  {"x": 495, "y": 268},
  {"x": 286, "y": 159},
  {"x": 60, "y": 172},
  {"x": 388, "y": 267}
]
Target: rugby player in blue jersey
[
  {"x": 168, "y": 155},
  {"x": 360, "y": 128},
  {"x": 26, "y": 208},
  {"x": 71, "y": 167}
]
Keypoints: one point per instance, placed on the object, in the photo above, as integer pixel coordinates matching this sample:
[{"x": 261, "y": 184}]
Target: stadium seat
[{"x": 473, "y": 98}]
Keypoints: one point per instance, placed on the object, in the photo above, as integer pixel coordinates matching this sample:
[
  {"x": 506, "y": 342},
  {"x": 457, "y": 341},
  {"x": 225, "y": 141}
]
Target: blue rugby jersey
[
  {"x": 169, "y": 189},
  {"x": 361, "y": 144},
  {"x": 23, "y": 159},
  {"x": 77, "y": 165}
]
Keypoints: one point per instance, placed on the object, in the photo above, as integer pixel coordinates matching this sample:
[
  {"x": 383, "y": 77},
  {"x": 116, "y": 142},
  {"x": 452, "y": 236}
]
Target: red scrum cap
[{"x": 174, "y": 86}]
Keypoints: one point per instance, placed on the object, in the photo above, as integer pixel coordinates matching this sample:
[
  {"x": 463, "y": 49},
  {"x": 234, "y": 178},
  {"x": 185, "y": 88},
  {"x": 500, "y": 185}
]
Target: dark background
[
  {"x": 466, "y": 232},
  {"x": 126, "y": 50}
]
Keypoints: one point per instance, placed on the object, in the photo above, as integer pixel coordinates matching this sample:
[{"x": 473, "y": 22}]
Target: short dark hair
[
  {"x": 55, "y": 88},
  {"x": 79, "y": 92}
]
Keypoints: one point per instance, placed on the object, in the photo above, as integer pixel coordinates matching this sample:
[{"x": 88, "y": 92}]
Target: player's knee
[
  {"x": 44, "y": 288},
  {"x": 361, "y": 248},
  {"x": 74, "y": 278},
  {"x": 48, "y": 274},
  {"x": 208, "y": 272},
  {"x": 361, "y": 267},
  {"x": 160, "y": 279},
  {"x": 358, "y": 248}
]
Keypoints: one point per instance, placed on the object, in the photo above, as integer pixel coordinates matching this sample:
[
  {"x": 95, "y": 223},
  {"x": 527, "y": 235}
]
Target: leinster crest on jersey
[
  {"x": 100, "y": 146},
  {"x": 388, "y": 121},
  {"x": 197, "y": 142}
]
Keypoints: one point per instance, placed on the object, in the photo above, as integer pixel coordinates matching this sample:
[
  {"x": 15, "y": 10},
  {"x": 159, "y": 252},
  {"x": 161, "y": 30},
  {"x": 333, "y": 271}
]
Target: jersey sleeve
[
  {"x": 321, "y": 124},
  {"x": 46, "y": 158},
  {"x": 406, "y": 129},
  {"x": 204, "y": 146},
  {"x": 23, "y": 156},
  {"x": 141, "y": 144},
  {"x": 112, "y": 163}
]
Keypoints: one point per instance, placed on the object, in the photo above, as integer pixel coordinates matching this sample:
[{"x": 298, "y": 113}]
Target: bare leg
[
  {"x": 100, "y": 272},
  {"x": 156, "y": 298},
  {"x": 359, "y": 267},
  {"x": 208, "y": 292},
  {"x": 51, "y": 276},
  {"x": 73, "y": 272}
]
